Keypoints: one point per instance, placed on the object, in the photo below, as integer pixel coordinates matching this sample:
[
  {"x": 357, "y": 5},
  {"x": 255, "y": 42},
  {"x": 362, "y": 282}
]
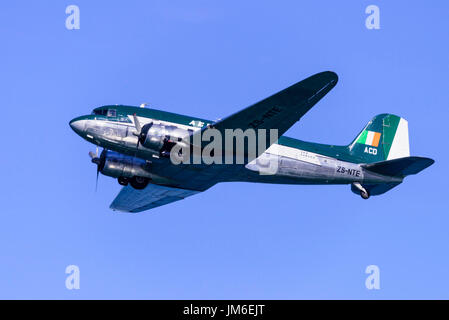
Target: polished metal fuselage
[{"x": 291, "y": 165}]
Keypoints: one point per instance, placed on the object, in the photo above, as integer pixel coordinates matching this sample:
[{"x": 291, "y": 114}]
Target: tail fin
[{"x": 385, "y": 137}]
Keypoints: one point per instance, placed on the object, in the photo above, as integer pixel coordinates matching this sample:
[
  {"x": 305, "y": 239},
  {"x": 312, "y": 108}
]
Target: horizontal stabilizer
[{"x": 400, "y": 167}]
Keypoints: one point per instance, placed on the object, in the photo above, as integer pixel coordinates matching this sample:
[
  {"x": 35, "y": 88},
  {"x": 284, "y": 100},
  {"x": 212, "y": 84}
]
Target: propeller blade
[
  {"x": 99, "y": 161},
  {"x": 96, "y": 180},
  {"x": 137, "y": 124},
  {"x": 94, "y": 155},
  {"x": 138, "y": 128}
]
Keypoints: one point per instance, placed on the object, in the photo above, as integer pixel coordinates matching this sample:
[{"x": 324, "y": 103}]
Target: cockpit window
[
  {"x": 100, "y": 112},
  {"x": 105, "y": 112},
  {"x": 112, "y": 113}
]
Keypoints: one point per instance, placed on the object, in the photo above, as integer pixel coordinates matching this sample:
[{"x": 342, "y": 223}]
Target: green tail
[{"x": 385, "y": 137}]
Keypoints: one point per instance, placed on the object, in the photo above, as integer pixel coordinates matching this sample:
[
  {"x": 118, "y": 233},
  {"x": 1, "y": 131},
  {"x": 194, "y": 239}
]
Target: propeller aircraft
[{"x": 138, "y": 149}]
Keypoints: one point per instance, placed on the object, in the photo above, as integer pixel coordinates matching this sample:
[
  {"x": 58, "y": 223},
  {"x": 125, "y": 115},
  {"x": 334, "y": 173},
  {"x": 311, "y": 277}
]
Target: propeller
[
  {"x": 99, "y": 161},
  {"x": 141, "y": 131},
  {"x": 138, "y": 129},
  {"x": 93, "y": 155}
]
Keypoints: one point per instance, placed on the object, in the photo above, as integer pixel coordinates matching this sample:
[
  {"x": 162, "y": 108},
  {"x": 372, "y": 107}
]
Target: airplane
[{"x": 137, "y": 142}]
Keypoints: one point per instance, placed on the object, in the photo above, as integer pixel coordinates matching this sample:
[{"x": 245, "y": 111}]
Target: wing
[
  {"x": 281, "y": 110},
  {"x": 132, "y": 200}
]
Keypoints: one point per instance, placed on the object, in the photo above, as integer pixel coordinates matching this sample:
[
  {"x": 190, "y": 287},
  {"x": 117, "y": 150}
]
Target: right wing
[{"x": 132, "y": 200}]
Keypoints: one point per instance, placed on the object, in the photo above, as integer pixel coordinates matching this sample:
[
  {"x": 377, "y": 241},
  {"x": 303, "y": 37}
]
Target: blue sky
[{"x": 210, "y": 59}]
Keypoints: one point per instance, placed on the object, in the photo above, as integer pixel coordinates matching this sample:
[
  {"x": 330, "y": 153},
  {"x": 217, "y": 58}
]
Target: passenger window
[{"x": 112, "y": 113}]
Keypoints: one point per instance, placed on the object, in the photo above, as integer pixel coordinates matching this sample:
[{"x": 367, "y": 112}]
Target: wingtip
[
  {"x": 332, "y": 75},
  {"x": 326, "y": 78},
  {"x": 323, "y": 80},
  {"x": 429, "y": 161}
]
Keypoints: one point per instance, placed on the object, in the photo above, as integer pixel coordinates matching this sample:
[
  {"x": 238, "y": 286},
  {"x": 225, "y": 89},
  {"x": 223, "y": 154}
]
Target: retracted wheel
[
  {"x": 364, "y": 194},
  {"x": 123, "y": 181},
  {"x": 139, "y": 183}
]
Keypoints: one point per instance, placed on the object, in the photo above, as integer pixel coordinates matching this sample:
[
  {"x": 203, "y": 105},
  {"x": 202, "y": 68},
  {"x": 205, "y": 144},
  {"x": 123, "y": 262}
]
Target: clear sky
[{"x": 209, "y": 59}]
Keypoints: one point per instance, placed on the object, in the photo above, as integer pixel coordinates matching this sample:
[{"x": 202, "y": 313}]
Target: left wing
[
  {"x": 281, "y": 110},
  {"x": 132, "y": 200}
]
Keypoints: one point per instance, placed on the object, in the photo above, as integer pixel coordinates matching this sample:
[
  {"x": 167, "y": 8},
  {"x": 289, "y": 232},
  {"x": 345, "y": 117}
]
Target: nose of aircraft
[{"x": 77, "y": 125}]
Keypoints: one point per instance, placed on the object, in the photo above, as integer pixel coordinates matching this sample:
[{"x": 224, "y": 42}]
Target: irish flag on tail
[{"x": 369, "y": 138}]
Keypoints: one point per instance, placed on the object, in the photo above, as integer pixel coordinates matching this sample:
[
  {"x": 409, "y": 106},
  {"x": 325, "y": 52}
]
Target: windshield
[
  {"x": 105, "y": 112},
  {"x": 100, "y": 112}
]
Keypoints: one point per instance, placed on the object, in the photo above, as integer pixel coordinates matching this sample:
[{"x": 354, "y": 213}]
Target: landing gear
[
  {"x": 136, "y": 182},
  {"x": 139, "y": 183},
  {"x": 123, "y": 181},
  {"x": 364, "y": 194}
]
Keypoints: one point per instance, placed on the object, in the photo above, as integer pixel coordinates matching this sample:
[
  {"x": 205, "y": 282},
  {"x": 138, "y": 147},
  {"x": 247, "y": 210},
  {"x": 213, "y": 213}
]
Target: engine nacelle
[
  {"x": 114, "y": 164},
  {"x": 160, "y": 137}
]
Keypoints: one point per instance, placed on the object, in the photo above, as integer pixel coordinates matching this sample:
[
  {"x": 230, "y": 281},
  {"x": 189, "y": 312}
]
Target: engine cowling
[
  {"x": 160, "y": 138},
  {"x": 114, "y": 164}
]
